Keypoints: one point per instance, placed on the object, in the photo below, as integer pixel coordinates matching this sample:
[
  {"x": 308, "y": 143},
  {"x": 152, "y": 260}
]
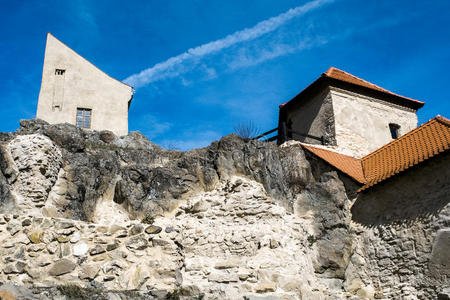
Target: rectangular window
[
  {"x": 84, "y": 117},
  {"x": 59, "y": 72},
  {"x": 395, "y": 130}
]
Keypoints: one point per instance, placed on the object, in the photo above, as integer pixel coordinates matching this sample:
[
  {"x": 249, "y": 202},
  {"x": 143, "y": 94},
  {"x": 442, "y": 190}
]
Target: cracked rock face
[
  {"x": 72, "y": 172},
  {"x": 237, "y": 218},
  {"x": 34, "y": 163}
]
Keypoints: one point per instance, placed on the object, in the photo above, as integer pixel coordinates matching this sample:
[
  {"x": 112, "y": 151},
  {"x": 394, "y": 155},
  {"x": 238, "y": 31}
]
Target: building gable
[{"x": 71, "y": 84}]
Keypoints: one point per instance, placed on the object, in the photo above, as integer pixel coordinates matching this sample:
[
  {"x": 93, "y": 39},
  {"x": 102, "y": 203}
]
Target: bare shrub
[{"x": 247, "y": 130}]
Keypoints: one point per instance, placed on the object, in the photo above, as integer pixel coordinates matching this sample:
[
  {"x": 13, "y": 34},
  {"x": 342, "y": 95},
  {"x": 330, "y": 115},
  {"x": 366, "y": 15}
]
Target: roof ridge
[
  {"x": 329, "y": 73},
  {"x": 356, "y": 77},
  {"x": 443, "y": 120},
  {"x": 336, "y": 76}
]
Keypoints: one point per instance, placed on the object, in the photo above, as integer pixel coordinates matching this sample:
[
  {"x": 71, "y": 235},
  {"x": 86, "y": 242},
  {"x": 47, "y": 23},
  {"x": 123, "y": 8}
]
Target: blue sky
[{"x": 200, "y": 67}]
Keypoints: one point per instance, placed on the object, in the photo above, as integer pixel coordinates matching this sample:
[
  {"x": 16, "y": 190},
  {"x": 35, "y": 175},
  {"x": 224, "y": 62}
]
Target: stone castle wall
[
  {"x": 238, "y": 218},
  {"x": 228, "y": 243},
  {"x": 403, "y": 227}
]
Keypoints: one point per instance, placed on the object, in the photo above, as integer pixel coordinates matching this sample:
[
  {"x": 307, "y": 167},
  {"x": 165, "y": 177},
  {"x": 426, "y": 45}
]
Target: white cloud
[{"x": 176, "y": 65}]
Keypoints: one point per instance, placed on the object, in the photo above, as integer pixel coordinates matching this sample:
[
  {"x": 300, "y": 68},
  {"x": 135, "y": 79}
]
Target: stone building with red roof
[
  {"x": 396, "y": 176},
  {"x": 351, "y": 115}
]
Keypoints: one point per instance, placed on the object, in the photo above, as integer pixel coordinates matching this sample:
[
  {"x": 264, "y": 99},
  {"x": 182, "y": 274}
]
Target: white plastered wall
[
  {"x": 83, "y": 85},
  {"x": 362, "y": 123}
]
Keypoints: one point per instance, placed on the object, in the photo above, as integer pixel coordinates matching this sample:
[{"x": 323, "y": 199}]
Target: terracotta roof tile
[
  {"x": 418, "y": 145},
  {"x": 347, "y": 164},
  {"x": 409, "y": 150},
  {"x": 343, "y": 76},
  {"x": 335, "y": 73}
]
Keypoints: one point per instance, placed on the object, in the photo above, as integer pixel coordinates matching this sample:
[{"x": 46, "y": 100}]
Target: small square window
[
  {"x": 395, "y": 130},
  {"x": 60, "y": 72},
  {"x": 84, "y": 117}
]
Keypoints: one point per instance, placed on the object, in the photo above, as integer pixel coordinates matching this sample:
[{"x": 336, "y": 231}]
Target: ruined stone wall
[
  {"x": 229, "y": 243},
  {"x": 404, "y": 237},
  {"x": 238, "y": 218}
]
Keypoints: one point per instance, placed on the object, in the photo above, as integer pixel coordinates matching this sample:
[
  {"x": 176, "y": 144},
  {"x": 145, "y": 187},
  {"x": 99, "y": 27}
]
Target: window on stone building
[
  {"x": 395, "y": 130},
  {"x": 84, "y": 117},
  {"x": 59, "y": 72}
]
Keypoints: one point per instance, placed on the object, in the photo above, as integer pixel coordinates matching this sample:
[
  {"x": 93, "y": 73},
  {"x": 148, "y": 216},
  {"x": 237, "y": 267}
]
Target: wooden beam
[
  {"x": 271, "y": 139},
  {"x": 265, "y": 133}
]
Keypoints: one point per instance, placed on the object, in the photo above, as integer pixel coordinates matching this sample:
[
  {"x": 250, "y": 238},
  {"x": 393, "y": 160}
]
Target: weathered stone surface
[
  {"x": 36, "y": 236},
  {"x": 148, "y": 173},
  {"x": 62, "y": 266},
  {"x": 62, "y": 239},
  {"x": 52, "y": 247},
  {"x": 441, "y": 248},
  {"x": 26, "y": 222},
  {"x": 265, "y": 287},
  {"x": 137, "y": 243},
  {"x": 18, "y": 267},
  {"x": 80, "y": 249},
  {"x": 89, "y": 272},
  {"x": 75, "y": 237},
  {"x": 223, "y": 277},
  {"x": 136, "y": 229},
  {"x": 240, "y": 218},
  {"x": 97, "y": 250},
  {"x": 153, "y": 229},
  {"x": 112, "y": 246},
  {"x": 13, "y": 227}
]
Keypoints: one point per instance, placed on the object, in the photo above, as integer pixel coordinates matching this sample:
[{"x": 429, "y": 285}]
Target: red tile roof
[
  {"x": 342, "y": 76},
  {"x": 347, "y": 77},
  {"x": 411, "y": 149},
  {"x": 347, "y": 164}
]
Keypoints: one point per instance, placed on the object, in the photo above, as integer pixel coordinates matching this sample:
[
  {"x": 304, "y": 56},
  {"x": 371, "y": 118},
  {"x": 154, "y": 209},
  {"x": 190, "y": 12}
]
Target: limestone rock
[
  {"x": 241, "y": 217},
  {"x": 223, "y": 277},
  {"x": 62, "y": 238},
  {"x": 153, "y": 229},
  {"x": 265, "y": 287},
  {"x": 137, "y": 243},
  {"x": 36, "y": 236},
  {"x": 75, "y": 237},
  {"x": 89, "y": 272},
  {"x": 18, "y": 267},
  {"x": 62, "y": 266},
  {"x": 13, "y": 227},
  {"x": 112, "y": 246},
  {"x": 136, "y": 229},
  {"x": 97, "y": 250},
  {"x": 26, "y": 222},
  {"x": 80, "y": 249},
  {"x": 52, "y": 247}
]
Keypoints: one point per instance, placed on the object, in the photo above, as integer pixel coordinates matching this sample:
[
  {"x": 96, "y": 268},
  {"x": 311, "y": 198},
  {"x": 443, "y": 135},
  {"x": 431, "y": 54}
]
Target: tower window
[
  {"x": 84, "y": 117},
  {"x": 395, "y": 130},
  {"x": 60, "y": 72}
]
